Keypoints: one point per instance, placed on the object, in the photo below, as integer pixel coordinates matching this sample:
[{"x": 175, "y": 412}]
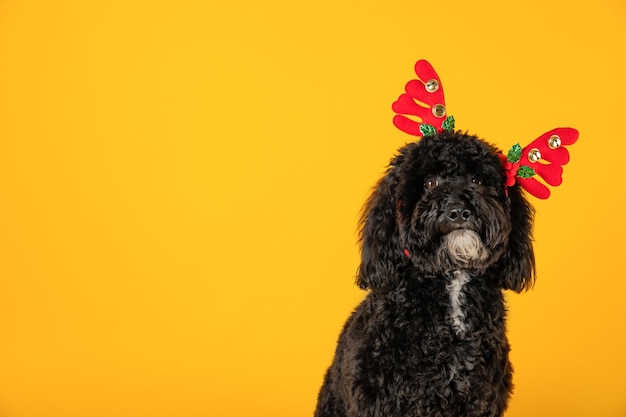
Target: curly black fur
[{"x": 441, "y": 238}]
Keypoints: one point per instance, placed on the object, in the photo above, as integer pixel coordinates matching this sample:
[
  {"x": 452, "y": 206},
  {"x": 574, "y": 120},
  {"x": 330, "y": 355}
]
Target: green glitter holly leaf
[
  {"x": 427, "y": 130},
  {"x": 525, "y": 172},
  {"x": 515, "y": 153},
  {"x": 448, "y": 124}
]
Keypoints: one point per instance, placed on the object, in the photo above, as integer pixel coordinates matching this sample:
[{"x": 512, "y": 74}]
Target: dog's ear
[
  {"x": 517, "y": 265},
  {"x": 381, "y": 251}
]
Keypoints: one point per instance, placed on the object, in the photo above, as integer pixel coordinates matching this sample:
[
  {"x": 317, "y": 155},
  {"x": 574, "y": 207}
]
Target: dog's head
[{"x": 443, "y": 205}]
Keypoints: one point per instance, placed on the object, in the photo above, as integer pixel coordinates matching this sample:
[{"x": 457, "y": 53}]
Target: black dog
[{"x": 442, "y": 235}]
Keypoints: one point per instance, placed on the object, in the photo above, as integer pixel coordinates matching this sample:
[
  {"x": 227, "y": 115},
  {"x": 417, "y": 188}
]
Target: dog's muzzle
[{"x": 461, "y": 239}]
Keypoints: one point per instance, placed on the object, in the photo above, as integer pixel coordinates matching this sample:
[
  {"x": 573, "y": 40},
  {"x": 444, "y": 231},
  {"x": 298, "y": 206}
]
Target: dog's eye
[
  {"x": 430, "y": 183},
  {"x": 477, "y": 180}
]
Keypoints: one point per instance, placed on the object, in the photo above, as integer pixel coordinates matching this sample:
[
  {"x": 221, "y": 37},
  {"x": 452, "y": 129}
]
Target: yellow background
[{"x": 180, "y": 183}]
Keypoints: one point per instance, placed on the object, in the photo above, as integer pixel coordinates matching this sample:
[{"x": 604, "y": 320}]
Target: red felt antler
[
  {"x": 545, "y": 157},
  {"x": 423, "y": 99}
]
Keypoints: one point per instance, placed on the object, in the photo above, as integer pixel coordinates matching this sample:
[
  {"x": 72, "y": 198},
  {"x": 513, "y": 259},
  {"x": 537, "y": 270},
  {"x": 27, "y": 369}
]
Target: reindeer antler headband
[{"x": 543, "y": 157}]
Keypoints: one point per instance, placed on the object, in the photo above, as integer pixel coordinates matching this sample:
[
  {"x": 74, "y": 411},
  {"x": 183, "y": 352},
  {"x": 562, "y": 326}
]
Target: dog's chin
[{"x": 465, "y": 248}]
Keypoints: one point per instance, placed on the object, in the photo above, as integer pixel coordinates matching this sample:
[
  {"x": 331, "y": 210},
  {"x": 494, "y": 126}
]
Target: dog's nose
[{"x": 458, "y": 214}]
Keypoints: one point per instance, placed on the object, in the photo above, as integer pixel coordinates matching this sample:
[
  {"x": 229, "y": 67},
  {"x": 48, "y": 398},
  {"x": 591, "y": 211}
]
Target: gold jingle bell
[
  {"x": 554, "y": 141},
  {"x": 534, "y": 155},
  {"x": 432, "y": 85},
  {"x": 439, "y": 110}
]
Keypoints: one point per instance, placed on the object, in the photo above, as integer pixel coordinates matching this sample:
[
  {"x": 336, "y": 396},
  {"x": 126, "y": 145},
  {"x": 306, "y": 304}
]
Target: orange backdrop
[{"x": 180, "y": 184}]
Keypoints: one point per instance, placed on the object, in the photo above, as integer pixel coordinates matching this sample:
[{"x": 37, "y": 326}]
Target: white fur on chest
[{"x": 457, "y": 297}]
